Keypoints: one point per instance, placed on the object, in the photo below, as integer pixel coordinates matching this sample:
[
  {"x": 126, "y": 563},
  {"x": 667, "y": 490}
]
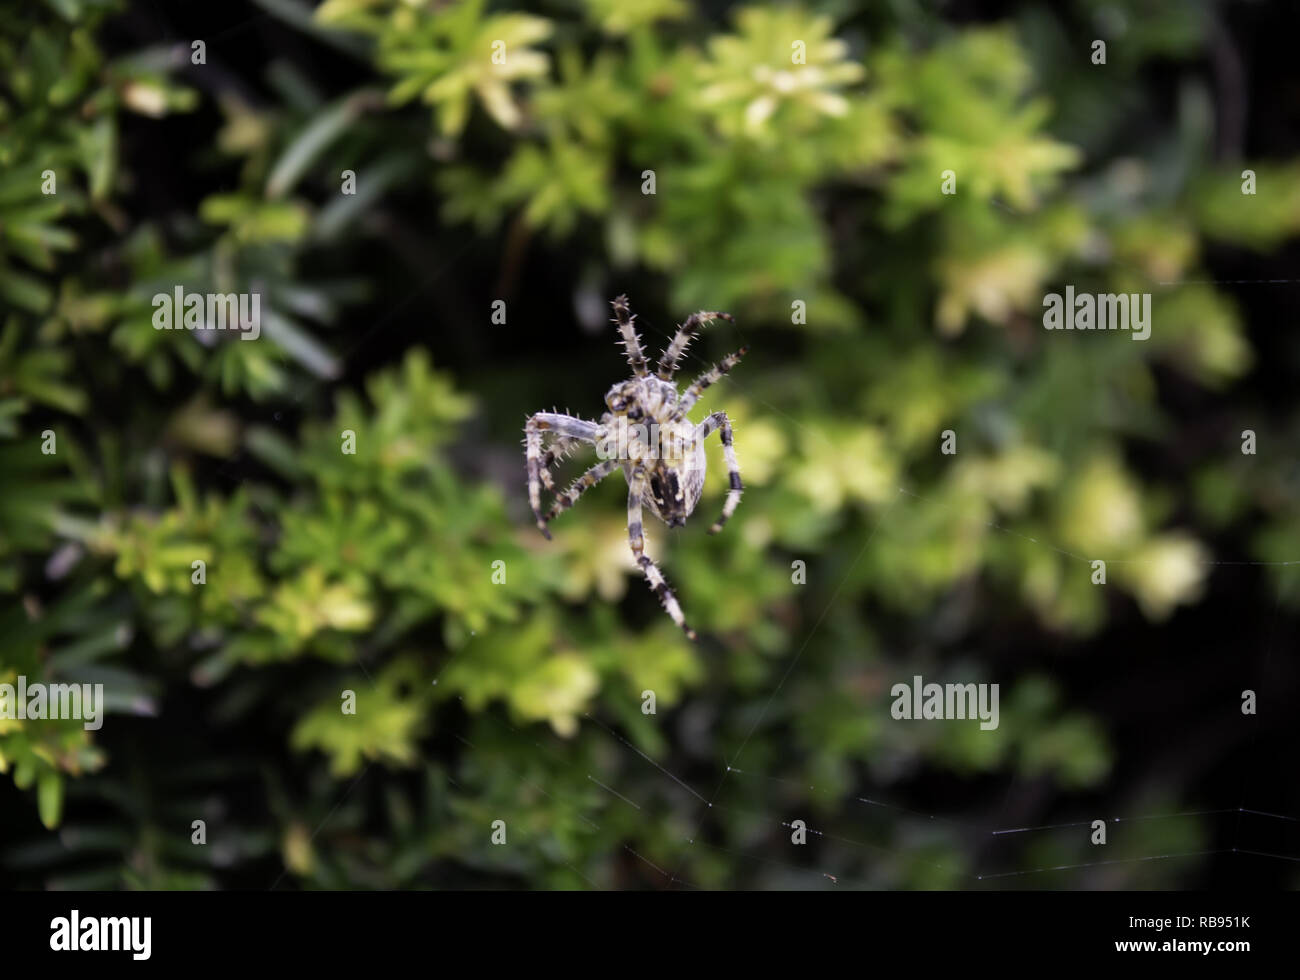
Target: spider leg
[
  {"x": 636, "y": 488},
  {"x": 580, "y": 486},
  {"x": 719, "y": 420},
  {"x": 565, "y": 426},
  {"x": 687, "y": 332},
  {"x": 560, "y": 448},
  {"x": 707, "y": 379},
  {"x": 631, "y": 342}
]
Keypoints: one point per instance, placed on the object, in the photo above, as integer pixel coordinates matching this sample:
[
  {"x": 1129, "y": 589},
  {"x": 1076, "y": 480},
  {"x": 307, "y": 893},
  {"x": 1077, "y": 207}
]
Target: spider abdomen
[{"x": 674, "y": 485}]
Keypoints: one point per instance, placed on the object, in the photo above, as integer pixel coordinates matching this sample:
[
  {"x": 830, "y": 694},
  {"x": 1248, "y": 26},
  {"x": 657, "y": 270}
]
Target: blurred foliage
[{"x": 779, "y": 184}]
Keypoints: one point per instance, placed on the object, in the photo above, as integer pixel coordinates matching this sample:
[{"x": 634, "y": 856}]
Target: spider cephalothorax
[{"x": 646, "y": 433}]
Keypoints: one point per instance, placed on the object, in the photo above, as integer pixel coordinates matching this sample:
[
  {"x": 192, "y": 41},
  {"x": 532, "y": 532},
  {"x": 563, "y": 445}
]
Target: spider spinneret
[{"x": 647, "y": 433}]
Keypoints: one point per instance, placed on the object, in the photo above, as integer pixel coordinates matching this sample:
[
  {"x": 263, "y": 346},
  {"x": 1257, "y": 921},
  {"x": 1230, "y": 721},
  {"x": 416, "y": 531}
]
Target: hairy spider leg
[
  {"x": 719, "y": 420},
  {"x": 637, "y": 486},
  {"x": 581, "y": 485},
  {"x": 705, "y": 380},
  {"x": 672, "y": 356},
  {"x": 537, "y": 425},
  {"x": 623, "y": 316},
  {"x": 560, "y": 448}
]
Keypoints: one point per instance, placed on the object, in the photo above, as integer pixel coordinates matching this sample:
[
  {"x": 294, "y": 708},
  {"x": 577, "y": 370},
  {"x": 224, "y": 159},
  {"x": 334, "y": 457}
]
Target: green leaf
[{"x": 49, "y": 798}]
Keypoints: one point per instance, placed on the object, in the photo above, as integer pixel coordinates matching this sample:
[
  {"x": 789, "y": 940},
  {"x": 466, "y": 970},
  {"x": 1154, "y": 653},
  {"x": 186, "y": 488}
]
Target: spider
[{"x": 647, "y": 434}]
